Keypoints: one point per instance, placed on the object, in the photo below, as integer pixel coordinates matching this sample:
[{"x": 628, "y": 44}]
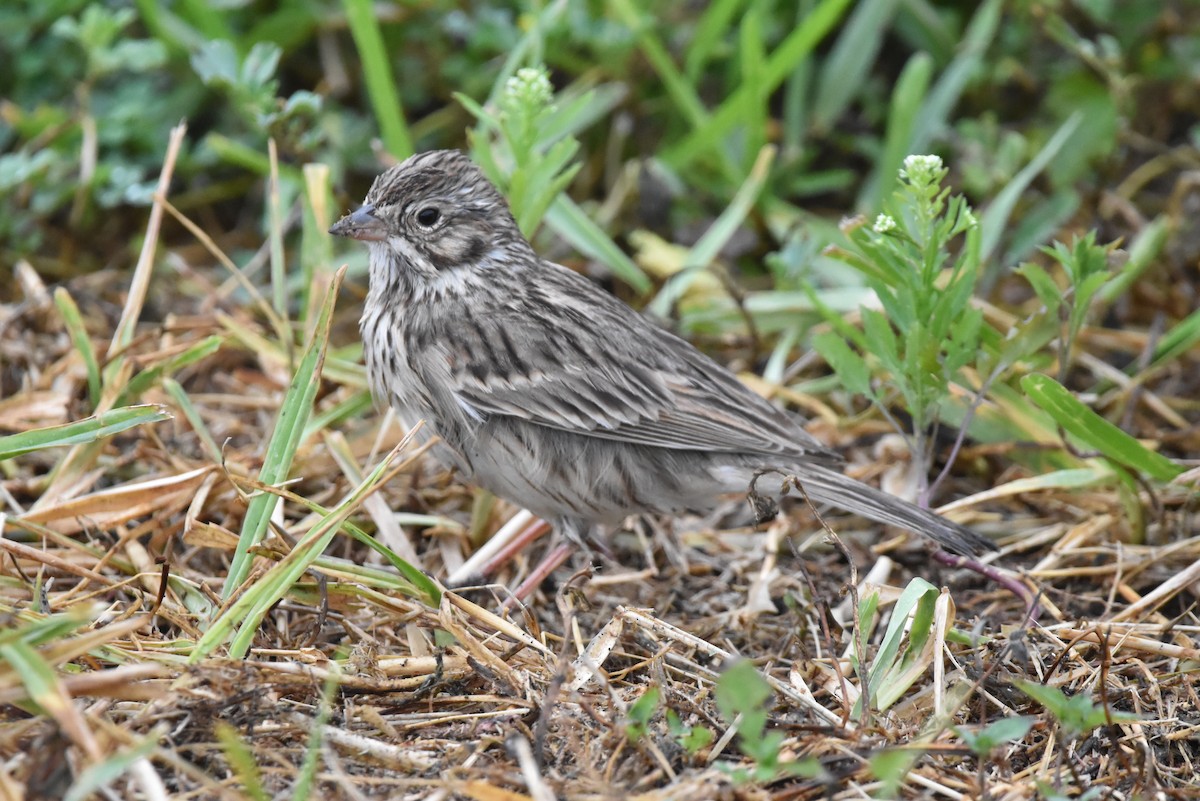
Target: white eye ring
[{"x": 428, "y": 216}]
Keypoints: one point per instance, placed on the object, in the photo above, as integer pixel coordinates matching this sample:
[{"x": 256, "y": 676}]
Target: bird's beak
[{"x": 361, "y": 224}]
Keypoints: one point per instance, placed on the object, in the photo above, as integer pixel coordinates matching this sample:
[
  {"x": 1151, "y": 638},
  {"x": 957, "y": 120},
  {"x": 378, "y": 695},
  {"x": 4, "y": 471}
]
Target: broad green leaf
[{"x": 1094, "y": 431}]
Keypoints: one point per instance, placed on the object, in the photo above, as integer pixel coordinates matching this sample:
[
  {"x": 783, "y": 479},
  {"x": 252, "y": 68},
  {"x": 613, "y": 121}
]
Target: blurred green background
[{"x": 688, "y": 92}]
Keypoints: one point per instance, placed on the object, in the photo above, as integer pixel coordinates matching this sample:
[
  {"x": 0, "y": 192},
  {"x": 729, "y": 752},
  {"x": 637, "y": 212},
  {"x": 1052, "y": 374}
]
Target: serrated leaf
[{"x": 1042, "y": 284}]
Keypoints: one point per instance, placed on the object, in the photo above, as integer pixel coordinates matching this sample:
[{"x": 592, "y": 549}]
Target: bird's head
[{"x": 432, "y": 215}]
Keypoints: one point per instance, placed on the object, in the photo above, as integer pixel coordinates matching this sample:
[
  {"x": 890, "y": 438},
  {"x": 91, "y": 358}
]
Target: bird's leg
[
  {"x": 558, "y": 554},
  {"x": 572, "y": 535},
  {"x": 513, "y": 537},
  {"x": 523, "y": 538}
]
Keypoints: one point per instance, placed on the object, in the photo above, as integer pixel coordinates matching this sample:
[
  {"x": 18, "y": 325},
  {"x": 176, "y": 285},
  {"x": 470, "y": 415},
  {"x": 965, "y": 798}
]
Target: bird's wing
[{"x": 591, "y": 365}]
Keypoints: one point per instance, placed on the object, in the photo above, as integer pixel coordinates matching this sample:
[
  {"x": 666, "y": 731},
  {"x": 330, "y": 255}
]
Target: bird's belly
[{"x": 557, "y": 474}]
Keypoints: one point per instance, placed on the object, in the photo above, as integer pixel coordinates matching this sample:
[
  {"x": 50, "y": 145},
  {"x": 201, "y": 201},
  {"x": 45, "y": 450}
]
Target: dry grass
[{"x": 356, "y": 686}]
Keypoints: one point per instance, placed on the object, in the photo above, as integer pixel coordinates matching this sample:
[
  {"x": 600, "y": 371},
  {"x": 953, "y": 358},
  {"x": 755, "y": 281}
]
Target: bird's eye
[{"x": 428, "y": 216}]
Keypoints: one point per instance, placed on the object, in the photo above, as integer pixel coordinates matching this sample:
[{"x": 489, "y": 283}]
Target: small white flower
[
  {"x": 920, "y": 169},
  {"x": 884, "y": 223},
  {"x": 530, "y": 87}
]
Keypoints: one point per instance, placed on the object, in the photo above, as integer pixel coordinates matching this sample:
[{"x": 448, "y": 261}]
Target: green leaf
[
  {"x": 1075, "y": 713},
  {"x": 285, "y": 439},
  {"x": 798, "y": 45},
  {"x": 80, "y": 339},
  {"x": 741, "y": 688},
  {"x": 258, "y": 69},
  {"x": 1094, "y": 431},
  {"x": 972, "y": 48},
  {"x": 241, "y": 761},
  {"x": 216, "y": 63},
  {"x": 882, "y": 341},
  {"x": 677, "y": 87},
  {"x": 890, "y": 766},
  {"x": 850, "y": 367},
  {"x": 640, "y": 713},
  {"x": 996, "y": 734},
  {"x": 995, "y": 220},
  {"x": 377, "y": 73},
  {"x": 1042, "y": 284},
  {"x": 895, "y": 670},
  {"x": 904, "y": 115},
  {"x": 850, "y": 60},
  {"x": 81, "y": 432}
]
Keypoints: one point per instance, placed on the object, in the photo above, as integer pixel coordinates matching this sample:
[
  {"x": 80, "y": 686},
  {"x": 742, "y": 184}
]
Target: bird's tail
[{"x": 832, "y": 487}]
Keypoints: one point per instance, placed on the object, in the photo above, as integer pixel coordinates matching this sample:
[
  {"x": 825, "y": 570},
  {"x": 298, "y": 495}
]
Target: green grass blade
[
  {"x": 248, "y": 611},
  {"x": 951, "y": 80},
  {"x": 35, "y": 673},
  {"x": 96, "y": 777},
  {"x": 678, "y": 88},
  {"x": 293, "y": 415},
  {"x": 357, "y": 405},
  {"x": 81, "y": 432},
  {"x": 785, "y": 58},
  {"x": 239, "y": 154},
  {"x": 418, "y": 584},
  {"x": 178, "y": 36},
  {"x": 303, "y": 788},
  {"x": 709, "y": 245},
  {"x": 36, "y": 629},
  {"x": 918, "y": 602},
  {"x": 995, "y": 219},
  {"x": 316, "y": 243},
  {"x": 757, "y": 114},
  {"x": 714, "y": 22},
  {"x": 575, "y": 113},
  {"x": 1179, "y": 340},
  {"x": 241, "y": 761},
  {"x": 849, "y": 63},
  {"x": 580, "y": 231},
  {"x": 1094, "y": 431},
  {"x": 192, "y": 415},
  {"x": 275, "y": 233},
  {"x": 903, "y": 118},
  {"x": 206, "y": 17},
  {"x": 377, "y": 73},
  {"x": 80, "y": 339},
  {"x": 152, "y": 375}
]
